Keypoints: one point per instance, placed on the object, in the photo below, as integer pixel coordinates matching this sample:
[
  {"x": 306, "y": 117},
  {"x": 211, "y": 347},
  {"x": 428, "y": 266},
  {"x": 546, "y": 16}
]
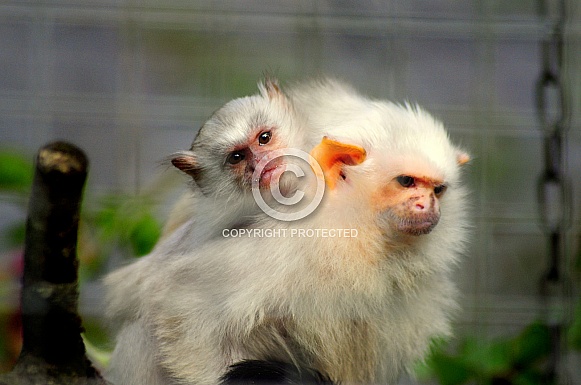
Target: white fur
[{"x": 360, "y": 310}]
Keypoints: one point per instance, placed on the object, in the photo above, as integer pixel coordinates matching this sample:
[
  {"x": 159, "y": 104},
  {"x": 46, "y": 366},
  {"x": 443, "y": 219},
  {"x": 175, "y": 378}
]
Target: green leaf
[
  {"x": 533, "y": 344},
  {"x": 423, "y": 369},
  {"x": 14, "y": 235},
  {"x": 491, "y": 359},
  {"x": 449, "y": 370},
  {"x": 574, "y": 333},
  {"x": 96, "y": 333},
  {"x": 529, "y": 377},
  {"x": 97, "y": 342},
  {"x": 106, "y": 221},
  {"x": 144, "y": 234},
  {"x": 16, "y": 171}
]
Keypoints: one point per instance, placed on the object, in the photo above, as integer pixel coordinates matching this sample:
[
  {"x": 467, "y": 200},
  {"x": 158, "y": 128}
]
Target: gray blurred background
[{"x": 131, "y": 81}]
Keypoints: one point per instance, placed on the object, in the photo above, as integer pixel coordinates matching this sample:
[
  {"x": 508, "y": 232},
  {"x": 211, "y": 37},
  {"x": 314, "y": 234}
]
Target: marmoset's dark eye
[
  {"x": 235, "y": 157},
  {"x": 264, "y": 138},
  {"x": 405, "y": 181},
  {"x": 439, "y": 190}
]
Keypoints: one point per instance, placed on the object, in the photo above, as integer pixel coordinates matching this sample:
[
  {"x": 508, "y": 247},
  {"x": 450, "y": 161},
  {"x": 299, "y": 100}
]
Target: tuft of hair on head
[{"x": 269, "y": 88}]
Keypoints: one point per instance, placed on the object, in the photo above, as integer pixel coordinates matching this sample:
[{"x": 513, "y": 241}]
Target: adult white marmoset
[{"x": 357, "y": 309}]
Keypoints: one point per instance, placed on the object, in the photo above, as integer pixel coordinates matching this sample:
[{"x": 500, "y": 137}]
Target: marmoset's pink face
[
  {"x": 237, "y": 137},
  {"x": 242, "y": 159}
]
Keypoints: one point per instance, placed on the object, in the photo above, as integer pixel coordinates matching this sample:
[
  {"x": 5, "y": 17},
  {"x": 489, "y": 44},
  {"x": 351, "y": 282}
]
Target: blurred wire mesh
[{"x": 131, "y": 82}]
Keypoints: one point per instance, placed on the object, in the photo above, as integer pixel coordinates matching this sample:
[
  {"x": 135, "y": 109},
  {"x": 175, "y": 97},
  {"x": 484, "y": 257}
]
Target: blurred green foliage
[
  {"x": 128, "y": 221},
  {"x": 515, "y": 360},
  {"x": 16, "y": 171},
  {"x": 115, "y": 223},
  {"x": 574, "y": 335},
  {"x": 97, "y": 342}
]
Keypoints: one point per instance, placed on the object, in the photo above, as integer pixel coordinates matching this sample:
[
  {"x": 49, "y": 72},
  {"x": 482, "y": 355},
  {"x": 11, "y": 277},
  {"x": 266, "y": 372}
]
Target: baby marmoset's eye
[
  {"x": 264, "y": 138},
  {"x": 405, "y": 180},
  {"x": 235, "y": 157}
]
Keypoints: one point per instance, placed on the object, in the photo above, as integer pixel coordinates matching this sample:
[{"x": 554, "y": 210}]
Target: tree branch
[{"x": 53, "y": 351}]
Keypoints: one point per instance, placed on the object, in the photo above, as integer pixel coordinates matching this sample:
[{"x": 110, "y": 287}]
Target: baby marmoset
[
  {"x": 357, "y": 309},
  {"x": 221, "y": 163},
  {"x": 224, "y": 155}
]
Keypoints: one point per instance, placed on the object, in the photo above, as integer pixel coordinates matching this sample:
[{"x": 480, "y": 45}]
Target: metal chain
[{"x": 553, "y": 188}]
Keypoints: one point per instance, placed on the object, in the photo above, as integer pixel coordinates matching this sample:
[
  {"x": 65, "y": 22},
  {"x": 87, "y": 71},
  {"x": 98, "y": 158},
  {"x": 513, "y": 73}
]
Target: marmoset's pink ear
[
  {"x": 332, "y": 156},
  {"x": 462, "y": 157},
  {"x": 187, "y": 163}
]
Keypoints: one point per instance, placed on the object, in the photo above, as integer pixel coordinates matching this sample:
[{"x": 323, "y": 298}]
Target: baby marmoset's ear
[
  {"x": 187, "y": 162},
  {"x": 332, "y": 156}
]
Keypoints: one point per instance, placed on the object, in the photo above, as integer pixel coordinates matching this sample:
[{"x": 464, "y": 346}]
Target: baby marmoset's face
[{"x": 229, "y": 146}]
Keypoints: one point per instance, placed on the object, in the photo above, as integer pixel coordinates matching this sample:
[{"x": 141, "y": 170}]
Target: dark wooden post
[{"x": 53, "y": 351}]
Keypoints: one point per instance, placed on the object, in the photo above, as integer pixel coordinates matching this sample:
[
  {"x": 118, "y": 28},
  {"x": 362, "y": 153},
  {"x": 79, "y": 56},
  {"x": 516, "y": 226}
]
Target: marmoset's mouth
[
  {"x": 424, "y": 224},
  {"x": 271, "y": 174}
]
